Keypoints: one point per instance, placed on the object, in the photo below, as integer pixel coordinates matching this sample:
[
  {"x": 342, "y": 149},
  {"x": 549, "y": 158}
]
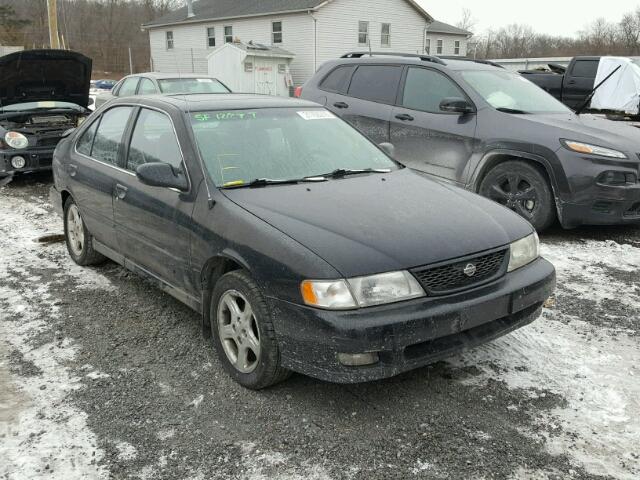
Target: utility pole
[
  {"x": 130, "y": 61},
  {"x": 52, "y": 10}
]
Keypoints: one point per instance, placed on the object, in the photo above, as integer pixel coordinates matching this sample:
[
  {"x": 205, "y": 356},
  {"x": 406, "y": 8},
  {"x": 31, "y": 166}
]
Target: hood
[
  {"x": 45, "y": 75},
  {"x": 381, "y": 223}
]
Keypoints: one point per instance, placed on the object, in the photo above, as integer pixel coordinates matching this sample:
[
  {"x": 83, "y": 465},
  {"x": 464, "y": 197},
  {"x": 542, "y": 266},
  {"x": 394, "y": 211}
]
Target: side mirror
[
  {"x": 456, "y": 105},
  {"x": 389, "y": 149},
  {"x": 161, "y": 175}
]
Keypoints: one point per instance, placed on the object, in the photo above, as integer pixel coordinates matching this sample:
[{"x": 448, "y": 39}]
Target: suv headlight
[
  {"x": 524, "y": 251},
  {"x": 361, "y": 292},
  {"x": 16, "y": 140},
  {"x": 592, "y": 149}
]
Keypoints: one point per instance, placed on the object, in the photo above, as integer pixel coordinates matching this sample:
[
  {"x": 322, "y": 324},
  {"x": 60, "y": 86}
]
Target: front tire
[
  {"x": 78, "y": 239},
  {"x": 522, "y": 188},
  {"x": 243, "y": 333}
]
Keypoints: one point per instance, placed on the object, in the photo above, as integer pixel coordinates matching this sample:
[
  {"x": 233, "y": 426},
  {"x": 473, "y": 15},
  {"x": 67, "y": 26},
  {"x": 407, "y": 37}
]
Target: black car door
[
  {"x": 579, "y": 81},
  {"x": 152, "y": 223},
  {"x": 369, "y": 100},
  {"x": 426, "y": 138},
  {"x": 91, "y": 168}
]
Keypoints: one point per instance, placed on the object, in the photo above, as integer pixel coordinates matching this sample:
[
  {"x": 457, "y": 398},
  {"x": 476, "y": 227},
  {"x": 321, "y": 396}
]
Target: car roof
[
  {"x": 451, "y": 63},
  {"x": 219, "y": 101},
  {"x": 167, "y": 76}
]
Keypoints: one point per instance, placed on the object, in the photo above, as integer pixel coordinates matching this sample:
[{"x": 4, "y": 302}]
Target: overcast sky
[{"x": 555, "y": 17}]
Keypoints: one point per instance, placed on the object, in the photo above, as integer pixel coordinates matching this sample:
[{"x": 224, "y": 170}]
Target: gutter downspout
[{"x": 315, "y": 41}]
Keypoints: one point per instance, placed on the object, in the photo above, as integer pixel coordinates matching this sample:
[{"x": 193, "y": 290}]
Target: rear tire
[
  {"x": 523, "y": 188},
  {"x": 78, "y": 239},
  {"x": 243, "y": 333}
]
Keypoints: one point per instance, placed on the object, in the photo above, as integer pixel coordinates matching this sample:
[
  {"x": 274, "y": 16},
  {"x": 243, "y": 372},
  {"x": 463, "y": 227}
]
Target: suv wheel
[
  {"x": 79, "y": 240},
  {"x": 243, "y": 333},
  {"x": 522, "y": 188}
]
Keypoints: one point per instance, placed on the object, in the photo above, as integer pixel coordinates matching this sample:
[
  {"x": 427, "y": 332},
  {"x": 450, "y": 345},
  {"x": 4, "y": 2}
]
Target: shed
[{"x": 252, "y": 68}]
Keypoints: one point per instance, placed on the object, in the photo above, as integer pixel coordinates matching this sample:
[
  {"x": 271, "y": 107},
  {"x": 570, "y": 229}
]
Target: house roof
[
  {"x": 205, "y": 10},
  {"x": 258, "y": 50},
  {"x": 441, "y": 27}
]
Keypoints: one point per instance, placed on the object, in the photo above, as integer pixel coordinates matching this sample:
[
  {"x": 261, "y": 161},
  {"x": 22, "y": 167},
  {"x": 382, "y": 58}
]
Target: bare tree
[{"x": 468, "y": 21}]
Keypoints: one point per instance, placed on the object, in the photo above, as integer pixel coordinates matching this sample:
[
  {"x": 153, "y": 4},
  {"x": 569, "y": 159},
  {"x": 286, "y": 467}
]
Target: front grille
[{"x": 451, "y": 277}]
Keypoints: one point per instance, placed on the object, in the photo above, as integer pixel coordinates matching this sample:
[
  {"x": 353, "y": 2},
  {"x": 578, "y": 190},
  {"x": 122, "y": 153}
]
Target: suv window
[
  {"x": 378, "y": 83},
  {"x": 86, "y": 140},
  {"x": 146, "y": 87},
  {"x": 128, "y": 87},
  {"x": 108, "y": 139},
  {"x": 338, "y": 80},
  {"x": 154, "y": 140},
  {"x": 424, "y": 90},
  {"x": 585, "y": 68}
]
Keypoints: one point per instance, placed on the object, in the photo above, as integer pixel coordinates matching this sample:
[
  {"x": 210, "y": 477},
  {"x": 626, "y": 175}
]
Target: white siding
[{"x": 448, "y": 43}]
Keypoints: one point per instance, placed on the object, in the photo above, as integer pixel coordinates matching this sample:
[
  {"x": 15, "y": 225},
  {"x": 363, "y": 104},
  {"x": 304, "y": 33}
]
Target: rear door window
[
  {"x": 108, "y": 138},
  {"x": 86, "y": 140},
  {"x": 338, "y": 80},
  {"x": 128, "y": 87},
  {"x": 154, "y": 140},
  {"x": 585, "y": 68},
  {"x": 377, "y": 83},
  {"x": 146, "y": 87},
  {"x": 425, "y": 89}
]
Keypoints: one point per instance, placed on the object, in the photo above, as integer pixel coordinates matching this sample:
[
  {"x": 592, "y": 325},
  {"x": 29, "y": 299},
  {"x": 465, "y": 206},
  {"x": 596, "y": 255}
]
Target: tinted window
[
  {"x": 109, "y": 136},
  {"x": 378, "y": 83},
  {"x": 86, "y": 140},
  {"x": 425, "y": 89},
  {"x": 146, "y": 87},
  {"x": 128, "y": 88},
  {"x": 153, "y": 140},
  {"x": 585, "y": 68},
  {"x": 338, "y": 80}
]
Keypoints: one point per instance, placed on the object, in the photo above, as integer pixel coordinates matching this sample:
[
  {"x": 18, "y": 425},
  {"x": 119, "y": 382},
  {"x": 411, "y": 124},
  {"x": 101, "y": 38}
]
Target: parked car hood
[
  {"x": 45, "y": 75},
  {"x": 381, "y": 223}
]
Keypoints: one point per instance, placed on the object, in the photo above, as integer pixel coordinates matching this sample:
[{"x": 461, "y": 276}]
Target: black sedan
[{"x": 305, "y": 246}]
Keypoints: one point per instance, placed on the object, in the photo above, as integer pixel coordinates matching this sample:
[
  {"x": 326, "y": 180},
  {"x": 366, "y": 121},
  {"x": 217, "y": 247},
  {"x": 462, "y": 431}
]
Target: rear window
[
  {"x": 192, "y": 85},
  {"x": 378, "y": 83},
  {"x": 585, "y": 68},
  {"x": 338, "y": 80}
]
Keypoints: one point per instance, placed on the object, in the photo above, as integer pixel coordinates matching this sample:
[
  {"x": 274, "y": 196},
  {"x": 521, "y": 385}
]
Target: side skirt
[{"x": 175, "y": 292}]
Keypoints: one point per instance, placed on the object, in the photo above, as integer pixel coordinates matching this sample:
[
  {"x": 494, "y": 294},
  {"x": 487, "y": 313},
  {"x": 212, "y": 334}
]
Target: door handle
[
  {"x": 121, "y": 192},
  {"x": 405, "y": 117},
  {"x": 72, "y": 169},
  {"x": 340, "y": 105},
  {"x": 571, "y": 82}
]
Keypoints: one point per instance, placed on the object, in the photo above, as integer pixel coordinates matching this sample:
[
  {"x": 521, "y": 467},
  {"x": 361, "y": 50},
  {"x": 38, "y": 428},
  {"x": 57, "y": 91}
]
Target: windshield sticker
[
  {"x": 316, "y": 115},
  {"x": 205, "y": 117}
]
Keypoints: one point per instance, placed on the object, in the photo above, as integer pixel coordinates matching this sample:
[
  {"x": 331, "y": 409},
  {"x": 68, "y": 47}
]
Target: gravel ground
[{"x": 104, "y": 376}]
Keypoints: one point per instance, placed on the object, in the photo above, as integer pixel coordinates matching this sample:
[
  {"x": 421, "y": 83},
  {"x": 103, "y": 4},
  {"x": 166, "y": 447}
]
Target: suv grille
[{"x": 449, "y": 278}]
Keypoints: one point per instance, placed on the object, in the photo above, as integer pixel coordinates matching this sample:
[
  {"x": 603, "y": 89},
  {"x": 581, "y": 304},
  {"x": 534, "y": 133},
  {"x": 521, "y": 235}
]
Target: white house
[{"x": 313, "y": 30}]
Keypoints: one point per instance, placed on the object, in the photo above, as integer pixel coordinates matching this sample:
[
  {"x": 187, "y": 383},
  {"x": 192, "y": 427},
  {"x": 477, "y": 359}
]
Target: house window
[
  {"x": 248, "y": 67},
  {"x": 439, "y": 47},
  {"x": 363, "y": 33},
  {"x": 282, "y": 68},
  {"x": 169, "y": 40},
  {"x": 456, "y": 49},
  {"x": 228, "y": 34},
  {"x": 276, "y": 32},
  {"x": 211, "y": 37},
  {"x": 427, "y": 46},
  {"x": 385, "y": 38}
]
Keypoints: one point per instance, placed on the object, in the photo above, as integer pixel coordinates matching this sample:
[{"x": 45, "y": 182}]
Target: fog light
[
  {"x": 18, "y": 162},
  {"x": 358, "y": 359},
  {"x": 617, "y": 178}
]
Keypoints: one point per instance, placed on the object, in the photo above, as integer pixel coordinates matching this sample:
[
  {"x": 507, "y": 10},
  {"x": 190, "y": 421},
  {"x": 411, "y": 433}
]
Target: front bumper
[
  {"x": 36, "y": 160},
  {"x": 410, "y": 334}
]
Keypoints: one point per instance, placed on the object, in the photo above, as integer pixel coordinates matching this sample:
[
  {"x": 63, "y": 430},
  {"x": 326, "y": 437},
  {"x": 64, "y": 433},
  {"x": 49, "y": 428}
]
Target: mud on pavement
[{"x": 104, "y": 376}]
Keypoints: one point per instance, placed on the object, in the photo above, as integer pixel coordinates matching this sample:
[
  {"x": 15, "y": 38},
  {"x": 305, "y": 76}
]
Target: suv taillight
[{"x": 297, "y": 92}]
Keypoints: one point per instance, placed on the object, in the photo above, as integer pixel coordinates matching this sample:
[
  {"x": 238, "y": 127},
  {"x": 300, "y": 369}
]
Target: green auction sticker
[{"x": 202, "y": 117}]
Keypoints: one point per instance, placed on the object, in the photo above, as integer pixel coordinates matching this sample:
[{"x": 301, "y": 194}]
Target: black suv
[{"x": 491, "y": 131}]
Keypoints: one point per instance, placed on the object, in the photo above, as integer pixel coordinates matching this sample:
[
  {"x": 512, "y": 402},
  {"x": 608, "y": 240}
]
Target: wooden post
[{"x": 52, "y": 10}]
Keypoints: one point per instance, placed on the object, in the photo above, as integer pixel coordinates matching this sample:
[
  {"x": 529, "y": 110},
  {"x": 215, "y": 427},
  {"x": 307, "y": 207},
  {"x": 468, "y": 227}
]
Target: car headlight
[
  {"x": 524, "y": 251},
  {"x": 592, "y": 149},
  {"x": 361, "y": 292},
  {"x": 16, "y": 140}
]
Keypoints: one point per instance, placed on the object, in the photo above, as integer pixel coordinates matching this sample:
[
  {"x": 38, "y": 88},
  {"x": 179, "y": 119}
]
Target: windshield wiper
[
  {"x": 343, "y": 172},
  {"x": 515, "y": 111},
  {"x": 265, "y": 182}
]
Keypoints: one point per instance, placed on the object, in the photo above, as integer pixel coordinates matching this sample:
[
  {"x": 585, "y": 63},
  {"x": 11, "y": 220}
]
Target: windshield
[
  {"x": 18, "y": 107},
  {"x": 505, "y": 90},
  {"x": 241, "y": 146},
  {"x": 192, "y": 85}
]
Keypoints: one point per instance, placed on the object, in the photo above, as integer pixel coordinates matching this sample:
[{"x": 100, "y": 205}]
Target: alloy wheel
[
  {"x": 516, "y": 193},
  {"x": 75, "y": 230},
  {"x": 238, "y": 331}
]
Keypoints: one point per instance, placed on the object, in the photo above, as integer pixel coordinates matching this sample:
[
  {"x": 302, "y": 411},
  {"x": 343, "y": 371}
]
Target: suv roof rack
[
  {"x": 424, "y": 58},
  {"x": 474, "y": 60}
]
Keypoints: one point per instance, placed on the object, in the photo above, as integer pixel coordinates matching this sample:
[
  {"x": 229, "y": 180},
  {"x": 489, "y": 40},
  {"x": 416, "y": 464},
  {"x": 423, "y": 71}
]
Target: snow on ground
[{"x": 596, "y": 370}]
